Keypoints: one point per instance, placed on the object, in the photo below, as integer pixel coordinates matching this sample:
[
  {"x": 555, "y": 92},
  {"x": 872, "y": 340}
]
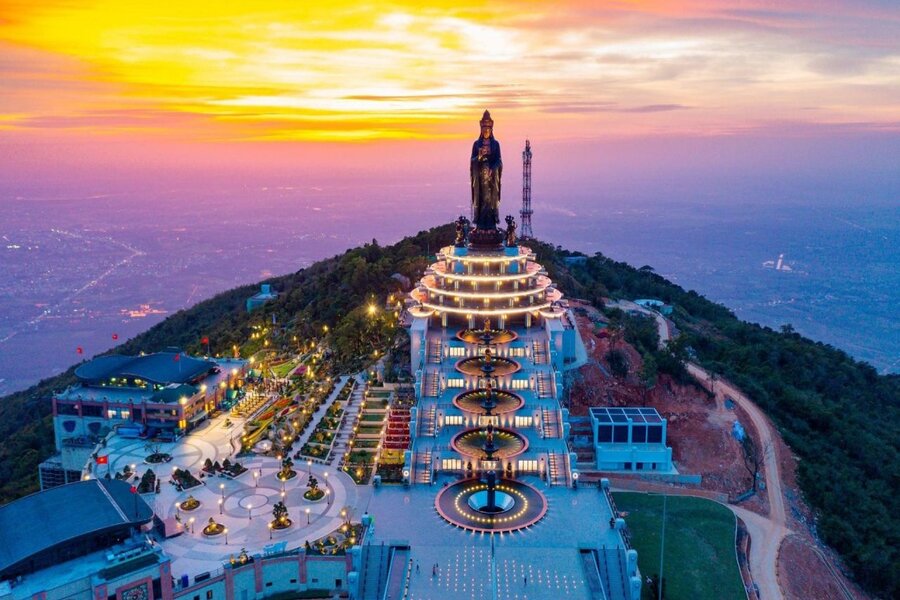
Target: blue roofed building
[
  {"x": 83, "y": 540},
  {"x": 161, "y": 395}
]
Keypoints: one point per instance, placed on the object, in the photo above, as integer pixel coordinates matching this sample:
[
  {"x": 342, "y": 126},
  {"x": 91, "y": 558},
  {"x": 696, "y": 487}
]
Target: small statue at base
[
  {"x": 462, "y": 232},
  {"x": 460, "y": 237},
  {"x": 510, "y": 231},
  {"x": 487, "y": 324}
]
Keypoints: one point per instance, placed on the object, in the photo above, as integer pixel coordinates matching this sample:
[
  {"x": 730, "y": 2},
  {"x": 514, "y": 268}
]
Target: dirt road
[{"x": 766, "y": 533}]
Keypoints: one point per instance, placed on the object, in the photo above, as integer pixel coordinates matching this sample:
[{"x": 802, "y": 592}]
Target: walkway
[
  {"x": 348, "y": 420},
  {"x": 320, "y": 412}
]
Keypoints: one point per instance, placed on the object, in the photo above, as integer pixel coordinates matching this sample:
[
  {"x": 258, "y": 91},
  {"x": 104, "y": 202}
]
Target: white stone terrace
[{"x": 476, "y": 566}]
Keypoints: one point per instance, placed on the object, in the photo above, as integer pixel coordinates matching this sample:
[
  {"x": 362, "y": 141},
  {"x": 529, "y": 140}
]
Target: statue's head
[{"x": 487, "y": 125}]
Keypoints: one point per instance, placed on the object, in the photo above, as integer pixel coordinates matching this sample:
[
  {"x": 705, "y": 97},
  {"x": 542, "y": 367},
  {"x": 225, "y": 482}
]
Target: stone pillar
[
  {"x": 631, "y": 560},
  {"x": 258, "y": 575}
]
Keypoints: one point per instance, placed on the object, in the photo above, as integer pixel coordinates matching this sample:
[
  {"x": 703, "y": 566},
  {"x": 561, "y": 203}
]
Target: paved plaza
[
  {"x": 540, "y": 562},
  {"x": 246, "y": 501}
]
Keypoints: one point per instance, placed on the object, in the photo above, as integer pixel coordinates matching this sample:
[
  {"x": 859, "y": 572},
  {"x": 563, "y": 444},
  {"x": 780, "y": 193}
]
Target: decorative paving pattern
[{"x": 529, "y": 506}]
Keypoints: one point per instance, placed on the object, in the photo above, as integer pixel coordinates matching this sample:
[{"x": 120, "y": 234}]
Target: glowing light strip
[
  {"x": 535, "y": 308},
  {"x": 475, "y": 277},
  {"x": 488, "y": 295}
]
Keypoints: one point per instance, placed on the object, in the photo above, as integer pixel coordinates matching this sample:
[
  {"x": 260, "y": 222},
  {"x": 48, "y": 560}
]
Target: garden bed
[{"x": 315, "y": 450}]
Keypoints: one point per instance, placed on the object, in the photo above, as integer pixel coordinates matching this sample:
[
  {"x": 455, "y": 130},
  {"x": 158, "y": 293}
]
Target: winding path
[{"x": 766, "y": 533}]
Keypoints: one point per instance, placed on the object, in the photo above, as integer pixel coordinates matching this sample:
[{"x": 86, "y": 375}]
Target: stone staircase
[
  {"x": 550, "y": 423},
  {"x": 581, "y": 440},
  {"x": 612, "y": 572},
  {"x": 423, "y": 467},
  {"x": 558, "y": 473},
  {"x": 376, "y": 560},
  {"x": 432, "y": 384},
  {"x": 435, "y": 352},
  {"x": 427, "y": 422},
  {"x": 342, "y": 438},
  {"x": 544, "y": 389},
  {"x": 539, "y": 352}
]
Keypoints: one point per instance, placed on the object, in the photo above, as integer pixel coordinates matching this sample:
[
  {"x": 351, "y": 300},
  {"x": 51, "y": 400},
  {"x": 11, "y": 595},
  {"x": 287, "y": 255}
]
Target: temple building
[
  {"x": 163, "y": 395},
  {"x": 490, "y": 339}
]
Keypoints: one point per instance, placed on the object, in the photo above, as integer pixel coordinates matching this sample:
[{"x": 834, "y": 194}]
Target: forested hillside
[{"x": 838, "y": 415}]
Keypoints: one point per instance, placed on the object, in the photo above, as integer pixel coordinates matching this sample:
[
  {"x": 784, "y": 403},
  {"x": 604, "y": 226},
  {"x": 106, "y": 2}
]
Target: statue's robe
[{"x": 485, "y": 177}]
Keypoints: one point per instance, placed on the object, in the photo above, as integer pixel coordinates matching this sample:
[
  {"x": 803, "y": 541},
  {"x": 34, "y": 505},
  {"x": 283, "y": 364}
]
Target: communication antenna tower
[{"x": 526, "y": 212}]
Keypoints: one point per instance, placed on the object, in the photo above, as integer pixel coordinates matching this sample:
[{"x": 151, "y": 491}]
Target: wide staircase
[
  {"x": 557, "y": 465},
  {"x": 539, "y": 351},
  {"x": 423, "y": 467},
  {"x": 427, "y": 420},
  {"x": 581, "y": 440},
  {"x": 544, "y": 389},
  {"x": 345, "y": 432},
  {"x": 612, "y": 571},
  {"x": 592, "y": 577},
  {"x": 435, "y": 352},
  {"x": 550, "y": 423},
  {"x": 432, "y": 384},
  {"x": 399, "y": 574},
  {"x": 376, "y": 561}
]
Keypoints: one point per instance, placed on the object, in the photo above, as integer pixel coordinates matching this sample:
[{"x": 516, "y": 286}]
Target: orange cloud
[{"x": 233, "y": 71}]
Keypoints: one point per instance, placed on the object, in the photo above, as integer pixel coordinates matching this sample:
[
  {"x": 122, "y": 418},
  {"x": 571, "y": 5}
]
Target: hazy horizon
[{"x": 705, "y": 227}]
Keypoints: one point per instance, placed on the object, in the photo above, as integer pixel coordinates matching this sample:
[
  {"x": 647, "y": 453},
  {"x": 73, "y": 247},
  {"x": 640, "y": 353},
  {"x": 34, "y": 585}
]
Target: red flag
[
  {"x": 204, "y": 340},
  {"x": 103, "y": 460},
  {"x": 133, "y": 490},
  {"x": 115, "y": 336},
  {"x": 79, "y": 350},
  {"x": 176, "y": 358}
]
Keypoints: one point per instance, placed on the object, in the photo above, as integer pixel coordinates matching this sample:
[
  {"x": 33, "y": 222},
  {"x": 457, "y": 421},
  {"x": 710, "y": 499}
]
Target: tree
[
  {"x": 618, "y": 363},
  {"x": 753, "y": 456},
  {"x": 280, "y": 513}
]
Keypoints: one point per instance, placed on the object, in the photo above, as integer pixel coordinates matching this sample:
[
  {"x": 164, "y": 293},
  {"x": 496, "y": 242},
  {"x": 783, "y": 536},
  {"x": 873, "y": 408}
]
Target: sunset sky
[{"x": 165, "y": 78}]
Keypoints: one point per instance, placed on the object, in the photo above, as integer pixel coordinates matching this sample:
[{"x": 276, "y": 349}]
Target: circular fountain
[
  {"x": 487, "y": 366},
  {"x": 485, "y": 401},
  {"x": 466, "y": 504},
  {"x": 489, "y": 443},
  {"x": 494, "y": 336}
]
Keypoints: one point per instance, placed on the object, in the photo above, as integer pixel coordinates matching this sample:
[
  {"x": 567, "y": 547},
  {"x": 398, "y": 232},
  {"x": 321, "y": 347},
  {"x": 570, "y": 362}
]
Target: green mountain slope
[{"x": 838, "y": 415}]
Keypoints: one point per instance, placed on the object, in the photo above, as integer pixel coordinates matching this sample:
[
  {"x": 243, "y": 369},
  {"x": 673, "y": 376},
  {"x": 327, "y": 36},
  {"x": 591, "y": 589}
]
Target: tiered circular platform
[
  {"x": 464, "y": 504},
  {"x": 477, "y": 284},
  {"x": 471, "y": 443},
  {"x": 476, "y": 336},
  {"x": 472, "y": 400},
  {"x": 475, "y": 365}
]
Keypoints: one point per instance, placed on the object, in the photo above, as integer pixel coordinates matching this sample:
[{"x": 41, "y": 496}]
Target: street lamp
[
  {"x": 191, "y": 524},
  {"x": 309, "y": 467},
  {"x": 255, "y": 478},
  {"x": 249, "y": 512},
  {"x": 270, "y": 529},
  {"x": 222, "y": 490},
  {"x": 226, "y": 536},
  {"x": 221, "y": 503},
  {"x": 307, "y": 516}
]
